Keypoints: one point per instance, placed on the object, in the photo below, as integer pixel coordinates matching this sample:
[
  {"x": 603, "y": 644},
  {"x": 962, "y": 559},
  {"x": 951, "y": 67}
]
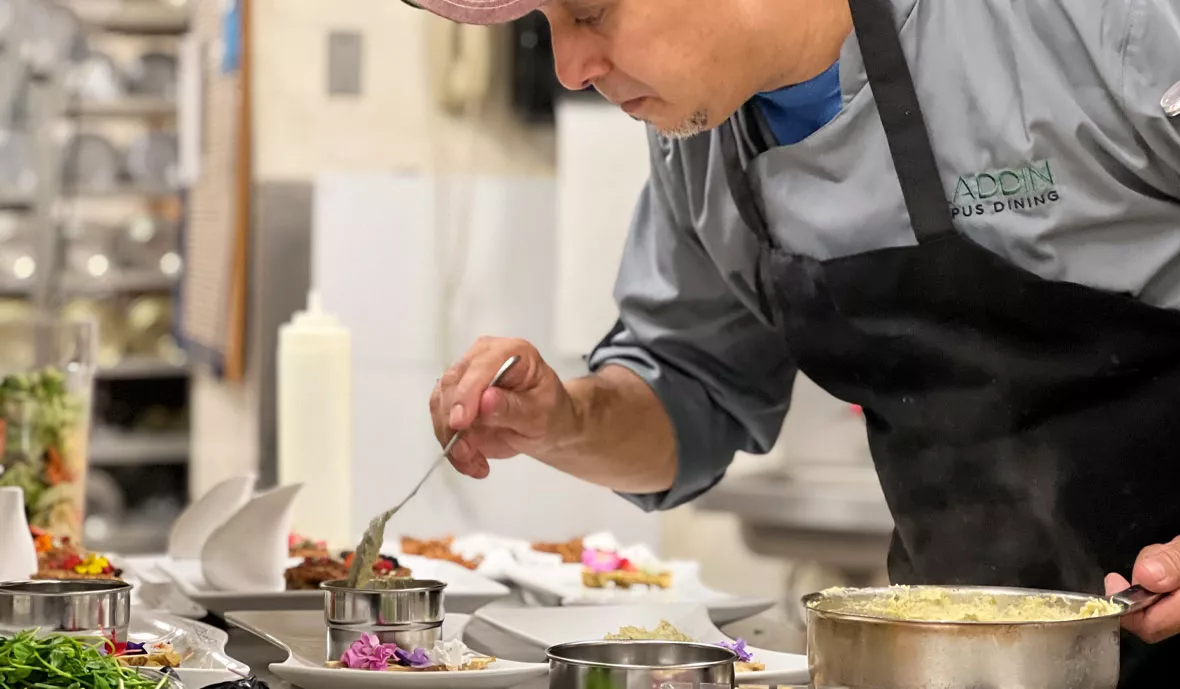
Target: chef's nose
[{"x": 578, "y": 56}]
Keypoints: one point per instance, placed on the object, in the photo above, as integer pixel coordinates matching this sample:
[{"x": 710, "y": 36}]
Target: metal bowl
[
  {"x": 77, "y": 607},
  {"x": 409, "y": 613},
  {"x": 849, "y": 648},
  {"x": 623, "y": 664}
]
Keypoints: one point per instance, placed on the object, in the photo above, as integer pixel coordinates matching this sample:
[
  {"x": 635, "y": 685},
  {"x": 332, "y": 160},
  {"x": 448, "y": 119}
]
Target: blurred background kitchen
[{"x": 185, "y": 173}]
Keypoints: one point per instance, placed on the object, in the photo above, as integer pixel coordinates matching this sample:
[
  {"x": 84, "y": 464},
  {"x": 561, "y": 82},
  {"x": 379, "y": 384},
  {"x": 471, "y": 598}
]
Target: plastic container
[
  {"x": 47, "y": 370},
  {"x": 315, "y": 422}
]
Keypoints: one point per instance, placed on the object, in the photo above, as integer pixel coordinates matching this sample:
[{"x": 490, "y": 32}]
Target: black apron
[{"x": 1026, "y": 432}]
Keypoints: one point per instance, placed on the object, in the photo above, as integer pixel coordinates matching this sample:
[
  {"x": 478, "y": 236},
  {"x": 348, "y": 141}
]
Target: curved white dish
[
  {"x": 562, "y": 585},
  {"x": 545, "y": 627},
  {"x": 196, "y": 524},
  {"x": 249, "y": 551},
  {"x": 154, "y": 590},
  {"x": 466, "y": 591},
  {"x": 201, "y": 647},
  {"x": 310, "y": 673}
]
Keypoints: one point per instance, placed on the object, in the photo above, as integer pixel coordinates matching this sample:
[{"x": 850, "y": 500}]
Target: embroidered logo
[{"x": 1000, "y": 191}]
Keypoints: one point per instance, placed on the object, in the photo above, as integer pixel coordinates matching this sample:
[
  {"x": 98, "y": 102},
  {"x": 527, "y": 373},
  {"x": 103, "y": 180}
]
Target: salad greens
[
  {"x": 64, "y": 662},
  {"x": 38, "y": 416}
]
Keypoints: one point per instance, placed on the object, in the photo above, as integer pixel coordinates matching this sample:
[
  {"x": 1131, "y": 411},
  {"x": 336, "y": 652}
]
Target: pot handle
[{"x": 1135, "y": 599}]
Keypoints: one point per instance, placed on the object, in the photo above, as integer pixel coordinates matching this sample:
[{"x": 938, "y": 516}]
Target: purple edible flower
[
  {"x": 738, "y": 647},
  {"x": 417, "y": 659},
  {"x": 368, "y": 653},
  {"x": 133, "y": 648}
]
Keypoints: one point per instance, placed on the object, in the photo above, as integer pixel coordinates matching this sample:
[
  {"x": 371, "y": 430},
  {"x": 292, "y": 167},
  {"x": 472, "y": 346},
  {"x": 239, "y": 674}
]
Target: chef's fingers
[
  {"x": 524, "y": 414},
  {"x": 481, "y": 369},
  {"x": 1160, "y": 621},
  {"x": 1115, "y": 583},
  {"x": 468, "y": 460},
  {"x": 437, "y": 418},
  {"x": 448, "y": 383},
  {"x": 1158, "y": 567},
  {"x": 489, "y": 442}
]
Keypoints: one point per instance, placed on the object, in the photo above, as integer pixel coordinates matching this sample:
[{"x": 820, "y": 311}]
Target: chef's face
[{"x": 682, "y": 65}]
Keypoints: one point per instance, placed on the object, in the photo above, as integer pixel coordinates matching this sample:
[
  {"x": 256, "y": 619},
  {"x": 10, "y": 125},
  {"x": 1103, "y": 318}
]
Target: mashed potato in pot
[{"x": 935, "y": 604}]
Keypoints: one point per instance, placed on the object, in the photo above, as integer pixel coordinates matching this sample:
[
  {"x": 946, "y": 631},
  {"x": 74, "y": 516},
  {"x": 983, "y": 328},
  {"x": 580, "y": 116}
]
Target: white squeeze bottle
[{"x": 315, "y": 422}]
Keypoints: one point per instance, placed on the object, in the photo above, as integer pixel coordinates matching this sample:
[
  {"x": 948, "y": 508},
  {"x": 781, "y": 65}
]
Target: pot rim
[
  {"x": 811, "y": 601},
  {"x": 100, "y": 587},
  {"x": 551, "y": 654},
  {"x": 420, "y": 586}
]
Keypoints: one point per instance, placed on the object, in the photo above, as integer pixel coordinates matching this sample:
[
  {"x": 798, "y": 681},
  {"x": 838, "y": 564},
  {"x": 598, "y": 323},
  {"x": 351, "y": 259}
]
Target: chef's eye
[{"x": 592, "y": 19}]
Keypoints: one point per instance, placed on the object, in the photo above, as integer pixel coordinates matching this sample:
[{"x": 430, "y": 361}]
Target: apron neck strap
[
  {"x": 740, "y": 187},
  {"x": 900, "y": 113}
]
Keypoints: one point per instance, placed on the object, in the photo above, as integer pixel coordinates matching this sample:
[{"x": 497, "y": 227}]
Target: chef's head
[{"x": 682, "y": 65}]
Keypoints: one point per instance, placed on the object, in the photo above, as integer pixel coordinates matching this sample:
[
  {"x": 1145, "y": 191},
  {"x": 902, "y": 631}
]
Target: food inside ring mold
[
  {"x": 936, "y": 604},
  {"x": 665, "y": 631}
]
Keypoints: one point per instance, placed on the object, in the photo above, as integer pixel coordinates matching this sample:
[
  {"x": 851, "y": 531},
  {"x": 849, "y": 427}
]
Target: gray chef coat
[{"x": 1054, "y": 151}]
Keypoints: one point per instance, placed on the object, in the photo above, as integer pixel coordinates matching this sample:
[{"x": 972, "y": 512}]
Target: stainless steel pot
[
  {"x": 66, "y": 607},
  {"x": 846, "y": 648},
  {"x": 648, "y": 664},
  {"x": 409, "y": 613}
]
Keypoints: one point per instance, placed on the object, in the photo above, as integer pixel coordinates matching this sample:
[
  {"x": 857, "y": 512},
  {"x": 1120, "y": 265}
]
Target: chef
[{"x": 962, "y": 216}]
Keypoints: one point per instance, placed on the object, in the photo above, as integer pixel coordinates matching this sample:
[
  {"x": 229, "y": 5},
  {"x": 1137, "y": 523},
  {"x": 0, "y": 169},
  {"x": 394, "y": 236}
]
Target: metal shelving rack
[{"x": 49, "y": 102}]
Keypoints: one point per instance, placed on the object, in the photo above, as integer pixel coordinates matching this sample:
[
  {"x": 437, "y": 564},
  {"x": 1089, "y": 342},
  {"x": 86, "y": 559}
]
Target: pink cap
[{"x": 480, "y": 11}]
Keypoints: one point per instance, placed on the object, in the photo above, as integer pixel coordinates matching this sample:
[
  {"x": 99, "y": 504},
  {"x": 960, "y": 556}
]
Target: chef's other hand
[
  {"x": 526, "y": 413},
  {"x": 1157, "y": 569}
]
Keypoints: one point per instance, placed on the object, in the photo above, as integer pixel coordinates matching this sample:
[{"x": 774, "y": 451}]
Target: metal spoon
[
  {"x": 360, "y": 573},
  {"x": 455, "y": 438}
]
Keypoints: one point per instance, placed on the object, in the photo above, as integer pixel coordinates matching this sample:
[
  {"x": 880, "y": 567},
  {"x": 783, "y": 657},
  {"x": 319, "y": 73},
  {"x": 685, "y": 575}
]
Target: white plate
[
  {"x": 155, "y": 590},
  {"x": 201, "y": 647},
  {"x": 310, "y": 673},
  {"x": 562, "y": 585},
  {"x": 498, "y": 554},
  {"x": 466, "y": 591},
  {"x": 545, "y": 627}
]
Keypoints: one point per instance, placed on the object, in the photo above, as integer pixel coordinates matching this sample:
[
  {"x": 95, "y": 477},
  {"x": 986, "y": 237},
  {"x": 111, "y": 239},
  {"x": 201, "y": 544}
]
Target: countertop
[{"x": 765, "y": 630}]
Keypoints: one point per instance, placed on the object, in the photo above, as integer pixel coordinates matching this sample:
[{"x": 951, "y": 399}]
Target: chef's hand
[
  {"x": 1157, "y": 569},
  {"x": 526, "y": 413}
]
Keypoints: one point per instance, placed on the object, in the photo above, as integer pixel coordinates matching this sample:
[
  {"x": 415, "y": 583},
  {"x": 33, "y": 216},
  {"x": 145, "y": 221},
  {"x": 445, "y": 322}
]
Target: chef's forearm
[{"x": 619, "y": 436}]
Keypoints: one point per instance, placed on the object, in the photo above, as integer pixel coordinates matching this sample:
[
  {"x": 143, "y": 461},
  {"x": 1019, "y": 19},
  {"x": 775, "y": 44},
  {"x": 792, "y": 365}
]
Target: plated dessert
[
  {"x": 570, "y": 551},
  {"x": 607, "y": 569},
  {"x": 62, "y": 559},
  {"x": 301, "y": 546},
  {"x": 437, "y": 549},
  {"x": 315, "y": 570},
  {"x": 665, "y": 631},
  {"x": 368, "y": 653}
]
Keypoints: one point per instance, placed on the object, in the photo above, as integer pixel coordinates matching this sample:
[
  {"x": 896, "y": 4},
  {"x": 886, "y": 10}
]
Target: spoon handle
[{"x": 1135, "y": 598}]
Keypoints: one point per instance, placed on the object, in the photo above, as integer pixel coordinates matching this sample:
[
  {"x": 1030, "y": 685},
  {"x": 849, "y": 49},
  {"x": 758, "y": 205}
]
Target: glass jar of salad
[{"x": 47, "y": 368}]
